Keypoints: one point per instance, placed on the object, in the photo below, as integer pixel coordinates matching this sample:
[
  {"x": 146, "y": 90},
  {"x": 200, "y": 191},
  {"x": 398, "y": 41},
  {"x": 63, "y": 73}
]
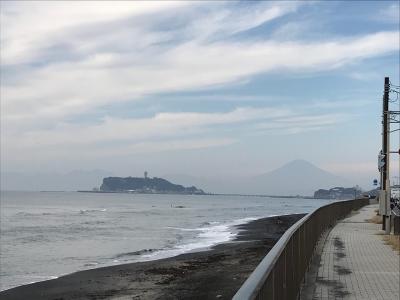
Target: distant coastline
[
  {"x": 139, "y": 192},
  {"x": 203, "y": 194}
]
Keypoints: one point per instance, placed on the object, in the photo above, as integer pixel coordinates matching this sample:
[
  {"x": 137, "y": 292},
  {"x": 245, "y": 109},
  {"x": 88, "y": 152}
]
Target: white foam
[
  {"x": 83, "y": 211},
  {"x": 207, "y": 237}
]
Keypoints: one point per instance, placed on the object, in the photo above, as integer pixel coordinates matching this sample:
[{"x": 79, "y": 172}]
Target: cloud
[
  {"x": 160, "y": 126},
  {"x": 65, "y": 23},
  {"x": 88, "y": 58},
  {"x": 229, "y": 20},
  {"x": 77, "y": 58},
  {"x": 65, "y": 88},
  {"x": 62, "y": 60},
  {"x": 293, "y": 124},
  {"x": 30, "y": 27},
  {"x": 163, "y": 132}
]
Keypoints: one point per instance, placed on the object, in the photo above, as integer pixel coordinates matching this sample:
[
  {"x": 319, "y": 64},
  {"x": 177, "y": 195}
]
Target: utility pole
[{"x": 385, "y": 186}]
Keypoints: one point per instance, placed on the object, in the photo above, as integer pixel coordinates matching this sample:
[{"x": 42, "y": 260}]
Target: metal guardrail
[{"x": 280, "y": 274}]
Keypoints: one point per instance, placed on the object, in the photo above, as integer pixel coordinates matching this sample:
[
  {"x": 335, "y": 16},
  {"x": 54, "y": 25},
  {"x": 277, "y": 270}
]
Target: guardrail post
[
  {"x": 285, "y": 276},
  {"x": 273, "y": 284},
  {"x": 289, "y": 271},
  {"x": 300, "y": 254},
  {"x": 296, "y": 258}
]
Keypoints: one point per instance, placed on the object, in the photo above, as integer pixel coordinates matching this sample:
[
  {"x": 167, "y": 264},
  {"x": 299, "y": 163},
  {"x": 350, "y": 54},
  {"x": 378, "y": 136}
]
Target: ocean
[{"x": 48, "y": 234}]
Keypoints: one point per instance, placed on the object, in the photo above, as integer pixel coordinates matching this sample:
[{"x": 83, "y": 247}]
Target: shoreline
[
  {"x": 146, "y": 255},
  {"x": 206, "y": 274}
]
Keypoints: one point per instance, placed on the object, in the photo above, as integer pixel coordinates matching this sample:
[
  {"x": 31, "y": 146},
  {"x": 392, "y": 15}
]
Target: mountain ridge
[{"x": 297, "y": 177}]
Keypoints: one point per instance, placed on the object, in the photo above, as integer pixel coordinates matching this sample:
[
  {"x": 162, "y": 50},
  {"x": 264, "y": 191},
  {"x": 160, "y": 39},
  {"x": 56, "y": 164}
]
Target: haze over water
[{"x": 45, "y": 235}]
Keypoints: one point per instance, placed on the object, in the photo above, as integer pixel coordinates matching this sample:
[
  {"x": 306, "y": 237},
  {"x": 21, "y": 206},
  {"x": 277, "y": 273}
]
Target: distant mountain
[
  {"x": 72, "y": 181},
  {"x": 298, "y": 177},
  {"x": 145, "y": 185}
]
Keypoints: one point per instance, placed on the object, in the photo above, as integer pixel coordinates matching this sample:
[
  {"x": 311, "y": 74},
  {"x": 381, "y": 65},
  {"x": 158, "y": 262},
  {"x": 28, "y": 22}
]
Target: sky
[{"x": 210, "y": 89}]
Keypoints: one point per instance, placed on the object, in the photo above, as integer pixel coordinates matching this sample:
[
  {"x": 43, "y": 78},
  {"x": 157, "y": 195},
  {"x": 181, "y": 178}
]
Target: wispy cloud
[
  {"x": 161, "y": 126},
  {"x": 77, "y": 58},
  {"x": 66, "y": 59},
  {"x": 294, "y": 124},
  {"x": 166, "y": 131},
  {"x": 62, "y": 89},
  {"x": 94, "y": 68},
  {"x": 85, "y": 27},
  {"x": 30, "y": 29}
]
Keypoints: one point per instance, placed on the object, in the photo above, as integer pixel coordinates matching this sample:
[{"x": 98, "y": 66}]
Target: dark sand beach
[{"x": 213, "y": 274}]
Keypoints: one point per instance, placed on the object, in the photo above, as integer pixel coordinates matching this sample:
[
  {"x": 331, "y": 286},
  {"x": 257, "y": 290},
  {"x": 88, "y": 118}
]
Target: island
[{"x": 145, "y": 185}]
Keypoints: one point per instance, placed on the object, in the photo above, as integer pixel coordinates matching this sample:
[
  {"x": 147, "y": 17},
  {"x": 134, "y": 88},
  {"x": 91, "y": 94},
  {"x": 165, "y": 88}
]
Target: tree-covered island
[{"x": 145, "y": 185}]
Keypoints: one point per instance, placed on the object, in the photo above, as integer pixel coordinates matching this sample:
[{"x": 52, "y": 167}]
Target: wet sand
[{"x": 213, "y": 274}]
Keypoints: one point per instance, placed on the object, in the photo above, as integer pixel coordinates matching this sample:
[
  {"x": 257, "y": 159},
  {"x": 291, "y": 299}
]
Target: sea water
[{"x": 48, "y": 234}]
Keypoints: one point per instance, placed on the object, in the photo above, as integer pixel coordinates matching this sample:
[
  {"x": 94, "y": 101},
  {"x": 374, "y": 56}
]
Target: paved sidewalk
[{"x": 356, "y": 263}]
